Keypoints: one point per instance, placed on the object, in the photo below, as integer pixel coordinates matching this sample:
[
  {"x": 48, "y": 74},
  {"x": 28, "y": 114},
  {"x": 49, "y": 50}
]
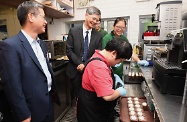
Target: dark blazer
[
  {"x": 75, "y": 48},
  {"x": 24, "y": 81}
]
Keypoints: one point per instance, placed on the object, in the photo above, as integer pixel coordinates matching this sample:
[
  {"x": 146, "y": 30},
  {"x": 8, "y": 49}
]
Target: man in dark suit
[
  {"x": 77, "y": 51},
  {"x": 26, "y": 74}
]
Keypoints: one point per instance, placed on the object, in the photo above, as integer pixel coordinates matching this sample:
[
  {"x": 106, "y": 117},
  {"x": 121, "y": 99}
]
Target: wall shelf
[
  {"x": 64, "y": 3},
  {"x": 49, "y": 11},
  {"x": 54, "y": 13},
  {"x": 154, "y": 38}
]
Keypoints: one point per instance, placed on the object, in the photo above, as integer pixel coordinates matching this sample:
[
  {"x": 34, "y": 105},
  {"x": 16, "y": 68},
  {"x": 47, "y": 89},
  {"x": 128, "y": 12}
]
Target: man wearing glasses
[{"x": 81, "y": 44}]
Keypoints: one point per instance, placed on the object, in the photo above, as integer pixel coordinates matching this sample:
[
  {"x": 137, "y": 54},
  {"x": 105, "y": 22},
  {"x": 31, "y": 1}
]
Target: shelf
[
  {"x": 65, "y": 4},
  {"x": 49, "y": 11},
  {"x": 153, "y": 38},
  {"x": 54, "y": 13}
]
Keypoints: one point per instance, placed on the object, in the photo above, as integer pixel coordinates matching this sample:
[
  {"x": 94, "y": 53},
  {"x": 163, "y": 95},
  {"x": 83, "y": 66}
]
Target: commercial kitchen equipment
[{"x": 169, "y": 73}]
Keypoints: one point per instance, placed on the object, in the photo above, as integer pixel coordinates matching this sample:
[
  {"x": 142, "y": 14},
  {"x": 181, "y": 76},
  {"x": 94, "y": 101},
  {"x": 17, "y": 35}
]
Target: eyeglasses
[{"x": 118, "y": 27}]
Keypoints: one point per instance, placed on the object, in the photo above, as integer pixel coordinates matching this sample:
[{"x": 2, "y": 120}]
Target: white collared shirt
[
  {"x": 40, "y": 56},
  {"x": 89, "y": 34}
]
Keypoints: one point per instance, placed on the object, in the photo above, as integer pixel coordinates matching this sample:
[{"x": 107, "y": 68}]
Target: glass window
[
  {"x": 75, "y": 24},
  {"x": 102, "y": 24}
]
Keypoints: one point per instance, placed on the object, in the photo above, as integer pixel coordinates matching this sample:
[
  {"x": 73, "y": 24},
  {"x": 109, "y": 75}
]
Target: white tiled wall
[{"x": 112, "y": 9}]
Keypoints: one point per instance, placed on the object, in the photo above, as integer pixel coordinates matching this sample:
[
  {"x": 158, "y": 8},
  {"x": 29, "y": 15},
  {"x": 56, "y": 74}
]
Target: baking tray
[
  {"x": 133, "y": 80},
  {"x": 132, "y": 67},
  {"x": 124, "y": 112}
]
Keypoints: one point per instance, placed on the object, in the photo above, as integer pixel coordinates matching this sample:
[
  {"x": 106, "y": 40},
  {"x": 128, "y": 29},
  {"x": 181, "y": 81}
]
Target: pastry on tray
[
  {"x": 138, "y": 109},
  {"x": 132, "y": 113},
  {"x": 136, "y": 99},
  {"x": 131, "y": 109},
  {"x": 142, "y": 119},
  {"x": 130, "y": 105},
  {"x": 133, "y": 118},
  {"x": 144, "y": 105}
]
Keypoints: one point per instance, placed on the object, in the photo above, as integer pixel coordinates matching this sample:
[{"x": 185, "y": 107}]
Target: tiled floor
[{"x": 70, "y": 115}]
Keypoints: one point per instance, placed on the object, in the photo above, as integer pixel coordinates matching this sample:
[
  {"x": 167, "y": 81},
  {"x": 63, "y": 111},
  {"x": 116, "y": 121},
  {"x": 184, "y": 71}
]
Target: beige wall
[{"x": 10, "y": 15}]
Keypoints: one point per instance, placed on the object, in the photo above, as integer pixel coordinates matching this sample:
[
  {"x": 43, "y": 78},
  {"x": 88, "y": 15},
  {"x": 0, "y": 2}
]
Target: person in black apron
[{"x": 100, "y": 89}]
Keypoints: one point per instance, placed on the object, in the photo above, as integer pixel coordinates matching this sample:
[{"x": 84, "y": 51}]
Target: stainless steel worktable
[{"x": 168, "y": 107}]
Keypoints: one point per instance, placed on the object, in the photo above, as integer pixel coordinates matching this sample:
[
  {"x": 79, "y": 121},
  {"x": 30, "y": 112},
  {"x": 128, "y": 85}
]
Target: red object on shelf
[
  {"x": 149, "y": 33},
  {"x": 157, "y": 34}
]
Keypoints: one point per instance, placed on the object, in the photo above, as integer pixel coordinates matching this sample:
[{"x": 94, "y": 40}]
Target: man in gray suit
[
  {"x": 25, "y": 71},
  {"x": 81, "y": 44}
]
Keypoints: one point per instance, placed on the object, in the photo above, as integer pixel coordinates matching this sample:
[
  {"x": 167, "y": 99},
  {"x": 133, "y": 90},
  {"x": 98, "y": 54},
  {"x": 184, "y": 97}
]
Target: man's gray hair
[{"x": 93, "y": 10}]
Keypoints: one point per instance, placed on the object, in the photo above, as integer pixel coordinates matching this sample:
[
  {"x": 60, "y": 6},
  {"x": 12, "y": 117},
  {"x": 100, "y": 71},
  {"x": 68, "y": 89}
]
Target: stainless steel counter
[
  {"x": 133, "y": 90},
  {"x": 168, "y": 107}
]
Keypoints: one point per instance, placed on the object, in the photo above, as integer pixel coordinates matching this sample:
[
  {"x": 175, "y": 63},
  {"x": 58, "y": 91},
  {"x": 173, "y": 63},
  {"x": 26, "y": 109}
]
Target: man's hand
[
  {"x": 27, "y": 120},
  {"x": 80, "y": 67}
]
